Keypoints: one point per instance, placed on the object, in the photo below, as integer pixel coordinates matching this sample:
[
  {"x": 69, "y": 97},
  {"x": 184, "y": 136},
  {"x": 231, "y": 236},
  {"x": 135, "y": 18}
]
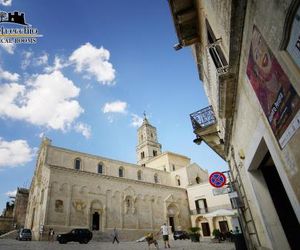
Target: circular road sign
[{"x": 217, "y": 179}]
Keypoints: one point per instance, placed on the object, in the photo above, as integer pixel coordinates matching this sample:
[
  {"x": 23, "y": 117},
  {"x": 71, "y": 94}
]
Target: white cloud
[
  {"x": 84, "y": 129},
  {"x": 42, "y": 60},
  {"x": 136, "y": 121},
  {"x": 47, "y": 101},
  {"x": 9, "y": 47},
  {"x": 94, "y": 62},
  {"x": 15, "y": 153},
  {"x": 5, "y": 75},
  {"x": 30, "y": 59},
  {"x": 27, "y": 55},
  {"x": 58, "y": 64},
  {"x": 6, "y": 2},
  {"x": 11, "y": 193},
  {"x": 115, "y": 107}
]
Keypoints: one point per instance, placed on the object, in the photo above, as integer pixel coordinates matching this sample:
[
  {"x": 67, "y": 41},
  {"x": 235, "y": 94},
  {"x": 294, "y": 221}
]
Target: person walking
[
  {"x": 165, "y": 232},
  {"x": 51, "y": 235},
  {"x": 115, "y": 235}
]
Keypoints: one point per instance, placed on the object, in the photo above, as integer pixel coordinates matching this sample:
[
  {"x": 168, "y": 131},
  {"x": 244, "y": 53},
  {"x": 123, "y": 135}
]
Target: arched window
[
  {"x": 121, "y": 172},
  {"x": 198, "y": 180},
  {"x": 100, "y": 168},
  {"x": 178, "y": 180},
  {"x": 139, "y": 175},
  {"x": 142, "y": 155},
  {"x": 155, "y": 178},
  {"x": 77, "y": 164}
]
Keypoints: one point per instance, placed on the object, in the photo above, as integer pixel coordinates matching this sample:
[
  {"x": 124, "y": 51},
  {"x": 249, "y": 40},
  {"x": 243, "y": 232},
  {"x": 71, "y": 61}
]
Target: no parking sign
[{"x": 217, "y": 179}]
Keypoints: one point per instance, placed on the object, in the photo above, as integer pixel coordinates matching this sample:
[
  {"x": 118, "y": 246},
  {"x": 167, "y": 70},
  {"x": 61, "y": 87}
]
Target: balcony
[
  {"x": 185, "y": 20},
  {"x": 205, "y": 128}
]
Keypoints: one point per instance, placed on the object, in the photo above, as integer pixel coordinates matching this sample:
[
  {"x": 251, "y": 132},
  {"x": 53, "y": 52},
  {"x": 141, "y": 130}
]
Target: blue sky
[{"x": 86, "y": 83}]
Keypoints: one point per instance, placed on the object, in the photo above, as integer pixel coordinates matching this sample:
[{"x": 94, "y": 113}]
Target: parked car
[
  {"x": 24, "y": 234},
  {"x": 81, "y": 235},
  {"x": 181, "y": 235}
]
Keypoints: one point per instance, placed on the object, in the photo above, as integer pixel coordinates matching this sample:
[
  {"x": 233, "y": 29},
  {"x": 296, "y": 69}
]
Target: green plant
[
  {"x": 217, "y": 234},
  {"x": 194, "y": 230},
  {"x": 194, "y": 234}
]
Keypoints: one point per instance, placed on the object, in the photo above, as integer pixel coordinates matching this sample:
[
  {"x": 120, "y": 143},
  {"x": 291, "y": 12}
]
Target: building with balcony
[
  {"x": 211, "y": 209},
  {"x": 248, "y": 57}
]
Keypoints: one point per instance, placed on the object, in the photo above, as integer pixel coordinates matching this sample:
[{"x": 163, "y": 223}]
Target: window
[
  {"x": 142, "y": 137},
  {"x": 173, "y": 167},
  {"x": 59, "y": 206},
  {"x": 178, "y": 180},
  {"x": 215, "y": 50},
  {"x": 151, "y": 135},
  {"x": 143, "y": 165},
  {"x": 121, "y": 172},
  {"x": 198, "y": 180},
  {"x": 139, "y": 175},
  {"x": 156, "y": 178},
  {"x": 154, "y": 153},
  {"x": 201, "y": 206},
  {"x": 77, "y": 164},
  {"x": 100, "y": 168},
  {"x": 142, "y": 155}
]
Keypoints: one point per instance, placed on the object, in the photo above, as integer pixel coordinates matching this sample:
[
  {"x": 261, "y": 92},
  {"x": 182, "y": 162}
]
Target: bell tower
[{"x": 148, "y": 146}]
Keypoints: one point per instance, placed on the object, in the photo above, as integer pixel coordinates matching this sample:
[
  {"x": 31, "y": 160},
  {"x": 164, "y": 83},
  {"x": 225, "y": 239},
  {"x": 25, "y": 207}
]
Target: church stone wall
[
  {"x": 122, "y": 203},
  {"x": 66, "y": 158}
]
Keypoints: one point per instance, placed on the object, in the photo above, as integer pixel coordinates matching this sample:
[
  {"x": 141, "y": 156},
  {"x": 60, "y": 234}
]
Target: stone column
[
  {"x": 151, "y": 212},
  {"x": 211, "y": 225},
  {"x": 121, "y": 210},
  {"x": 69, "y": 207}
]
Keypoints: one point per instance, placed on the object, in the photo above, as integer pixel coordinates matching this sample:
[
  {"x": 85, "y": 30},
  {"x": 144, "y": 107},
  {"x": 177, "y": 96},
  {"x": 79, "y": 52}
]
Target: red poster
[{"x": 276, "y": 95}]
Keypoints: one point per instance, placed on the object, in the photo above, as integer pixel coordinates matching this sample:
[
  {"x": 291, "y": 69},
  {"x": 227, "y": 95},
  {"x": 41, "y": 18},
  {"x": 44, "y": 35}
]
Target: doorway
[
  {"x": 282, "y": 204},
  {"x": 205, "y": 229},
  {"x": 95, "y": 222},
  {"x": 223, "y": 226},
  {"x": 172, "y": 224}
]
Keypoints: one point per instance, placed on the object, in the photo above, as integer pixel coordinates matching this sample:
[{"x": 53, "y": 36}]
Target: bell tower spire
[{"x": 148, "y": 145}]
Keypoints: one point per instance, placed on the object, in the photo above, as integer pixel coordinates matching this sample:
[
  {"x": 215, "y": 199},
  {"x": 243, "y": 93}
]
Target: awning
[{"x": 221, "y": 212}]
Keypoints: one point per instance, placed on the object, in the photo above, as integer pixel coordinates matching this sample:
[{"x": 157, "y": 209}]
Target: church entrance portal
[
  {"x": 95, "y": 222},
  {"x": 172, "y": 224}
]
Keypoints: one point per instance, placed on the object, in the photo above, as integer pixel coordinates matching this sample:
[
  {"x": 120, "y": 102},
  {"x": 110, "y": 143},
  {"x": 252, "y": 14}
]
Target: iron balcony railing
[
  {"x": 209, "y": 209},
  {"x": 203, "y": 118}
]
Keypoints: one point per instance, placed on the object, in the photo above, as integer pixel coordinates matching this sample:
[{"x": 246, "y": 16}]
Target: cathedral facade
[{"x": 73, "y": 189}]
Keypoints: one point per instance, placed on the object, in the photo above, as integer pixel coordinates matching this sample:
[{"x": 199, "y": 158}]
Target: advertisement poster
[{"x": 276, "y": 95}]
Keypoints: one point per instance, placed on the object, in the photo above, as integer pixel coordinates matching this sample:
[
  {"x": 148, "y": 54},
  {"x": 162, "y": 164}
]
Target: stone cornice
[{"x": 109, "y": 177}]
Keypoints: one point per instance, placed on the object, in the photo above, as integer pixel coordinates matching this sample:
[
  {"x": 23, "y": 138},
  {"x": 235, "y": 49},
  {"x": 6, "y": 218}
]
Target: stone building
[
  {"x": 248, "y": 57},
  {"x": 20, "y": 207},
  {"x": 72, "y": 189}
]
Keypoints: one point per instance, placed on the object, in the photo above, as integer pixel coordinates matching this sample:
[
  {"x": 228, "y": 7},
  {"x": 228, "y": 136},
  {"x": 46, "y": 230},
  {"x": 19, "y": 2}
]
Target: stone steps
[{"x": 9, "y": 235}]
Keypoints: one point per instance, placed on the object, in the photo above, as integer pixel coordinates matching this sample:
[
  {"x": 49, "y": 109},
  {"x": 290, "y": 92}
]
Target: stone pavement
[{"x": 10, "y": 244}]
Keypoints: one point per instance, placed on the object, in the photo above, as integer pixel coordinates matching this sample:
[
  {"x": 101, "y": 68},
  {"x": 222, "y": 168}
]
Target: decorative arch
[{"x": 96, "y": 215}]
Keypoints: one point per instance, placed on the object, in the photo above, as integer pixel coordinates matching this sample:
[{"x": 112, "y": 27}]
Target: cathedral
[{"x": 72, "y": 189}]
